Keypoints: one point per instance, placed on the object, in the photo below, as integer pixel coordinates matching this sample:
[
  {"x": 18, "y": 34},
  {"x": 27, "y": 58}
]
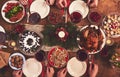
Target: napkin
[
  {"x": 2, "y": 62},
  {"x": 4, "y": 56}
]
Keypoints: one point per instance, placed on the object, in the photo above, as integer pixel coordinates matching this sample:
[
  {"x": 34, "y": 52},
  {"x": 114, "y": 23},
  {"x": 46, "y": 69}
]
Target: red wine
[
  {"x": 34, "y": 18},
  {"x": 40, "y": 56},
  {"x": 75, "y": 17},
  {"x": 82, "y": 55}
]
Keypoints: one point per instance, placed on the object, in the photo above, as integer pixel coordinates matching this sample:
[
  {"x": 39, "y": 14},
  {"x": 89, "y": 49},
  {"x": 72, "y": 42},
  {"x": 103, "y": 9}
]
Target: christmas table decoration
[{"x": 61, "y": 34}]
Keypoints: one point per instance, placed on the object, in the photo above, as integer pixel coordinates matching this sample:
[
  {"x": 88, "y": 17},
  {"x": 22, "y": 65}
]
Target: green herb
[{"x": 13, "y": 11}]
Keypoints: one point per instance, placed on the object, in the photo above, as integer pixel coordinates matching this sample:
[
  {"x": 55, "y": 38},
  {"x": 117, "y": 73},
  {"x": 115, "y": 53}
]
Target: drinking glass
[
  {"x": 40, "y": 56},
  {"x": 82, "y": 55},
  {"x": 76, "y": 16},
  {"x": 34, "y": 18}
]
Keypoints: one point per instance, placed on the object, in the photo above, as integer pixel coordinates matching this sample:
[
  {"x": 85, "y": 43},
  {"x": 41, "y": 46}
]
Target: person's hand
[
  {"x": 62, "y": 72},
  {"x": 61, "y": 3},
  {"x": 93, "y": 70},
  {"x": 50, "y": 2},
  {"x": 92, "y": 3},
  {"x": 50, "y": 71},
  {"x": 17, "y": 73}
]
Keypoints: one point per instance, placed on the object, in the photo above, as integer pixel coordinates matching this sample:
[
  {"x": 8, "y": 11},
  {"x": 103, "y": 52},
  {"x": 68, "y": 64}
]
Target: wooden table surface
[{"x": 104, "y": 7}]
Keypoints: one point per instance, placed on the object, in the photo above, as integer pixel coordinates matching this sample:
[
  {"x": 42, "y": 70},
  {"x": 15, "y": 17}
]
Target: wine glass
[
  {"x": 40, "y": 56},
  {"x": 76, "y": 16},
  {"x": 34, "y": 18},
  {"x": 82, "y": 55}
]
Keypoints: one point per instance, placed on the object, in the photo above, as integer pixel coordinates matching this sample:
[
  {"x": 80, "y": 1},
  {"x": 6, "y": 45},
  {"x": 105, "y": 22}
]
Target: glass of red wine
[
  {"x": 34, "y": 18},
  {"x": 40, "y": 56},
  {"x": 76, "y": 16},
  {"x": 82, "y": 55}
]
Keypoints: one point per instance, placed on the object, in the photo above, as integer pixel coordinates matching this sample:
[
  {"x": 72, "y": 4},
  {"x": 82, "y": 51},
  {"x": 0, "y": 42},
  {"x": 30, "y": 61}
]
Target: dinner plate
[
  {"x": 2, "y": 29},
  {"x": 76, "y": 68},
  {"x": 79, "y": 5},
  {"x": 40, "y": 7},
  {"x": 3, "y": 13},
  {"x": 101, "y": 43},
  {"x": 32, "y": 68},
  {"x": 10, "y": 63}
]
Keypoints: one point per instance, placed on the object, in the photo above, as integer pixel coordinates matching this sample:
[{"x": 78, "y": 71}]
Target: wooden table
[{"x": 104, "y": 7}]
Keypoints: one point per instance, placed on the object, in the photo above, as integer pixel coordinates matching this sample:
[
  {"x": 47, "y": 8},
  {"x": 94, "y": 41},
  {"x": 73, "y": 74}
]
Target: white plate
[
  {"x": 75, "y": 67},
  {"x": 79, "y": 5},
  {"x": 15, "y": 54},
  {"x": 40, "y": 7},
  {"x": 2, "y": 29},
  {"x": 3, "y": 13},
  {"x": 32, "y": 68}
]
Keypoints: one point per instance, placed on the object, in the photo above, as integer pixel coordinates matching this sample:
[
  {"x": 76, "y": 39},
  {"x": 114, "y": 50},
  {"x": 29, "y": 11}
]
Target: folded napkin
[
  {"x": 2, "y": 62},
  {"x": 4, "y": 56}
]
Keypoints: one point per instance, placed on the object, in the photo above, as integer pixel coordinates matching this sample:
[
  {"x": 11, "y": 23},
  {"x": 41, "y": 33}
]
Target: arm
[
  {"x": 62, "y": 72},
  {"x": 93, "y": 70},
  {"x": 61, "y": 3},
  {"x": 17, "y": 73},
  {"x": 50, "y": 71},
  {"x": 92, "y": 3}
]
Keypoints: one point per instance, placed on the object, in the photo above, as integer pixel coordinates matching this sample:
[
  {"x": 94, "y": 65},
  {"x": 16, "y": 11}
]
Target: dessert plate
[
  {"x": 32, "y": 68},
  {"x": 18, "y": 16},
  {"x": 76, "y": 68}
]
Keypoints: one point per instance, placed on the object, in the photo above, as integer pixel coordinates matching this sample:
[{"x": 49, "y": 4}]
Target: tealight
[
  {"x": 12, "y": 43},
  {"x": 61, "y": 34},
  {"x": 109, "y": 42}
]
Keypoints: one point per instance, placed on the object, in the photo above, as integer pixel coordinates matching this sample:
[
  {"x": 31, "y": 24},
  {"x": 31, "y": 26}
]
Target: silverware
[{"x": 27, "y": 12}]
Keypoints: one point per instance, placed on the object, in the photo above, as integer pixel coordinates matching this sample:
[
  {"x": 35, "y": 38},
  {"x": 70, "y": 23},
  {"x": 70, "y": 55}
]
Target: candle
[
  {"x": 109, "y": 42},
  {"x": 61, "y": 34}
]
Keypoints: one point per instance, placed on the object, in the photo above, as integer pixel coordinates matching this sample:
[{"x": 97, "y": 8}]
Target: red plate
[{"x": 58, "y": 57}]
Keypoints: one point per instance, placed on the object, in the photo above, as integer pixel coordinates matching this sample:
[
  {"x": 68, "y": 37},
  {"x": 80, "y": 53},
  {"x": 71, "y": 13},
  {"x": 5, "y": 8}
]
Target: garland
[{"x": 50, "y": 38}]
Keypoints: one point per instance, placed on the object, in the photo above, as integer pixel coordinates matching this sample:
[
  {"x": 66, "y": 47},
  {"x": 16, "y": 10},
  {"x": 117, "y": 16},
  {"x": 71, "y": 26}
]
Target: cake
[{"x": 29, "y": 42}]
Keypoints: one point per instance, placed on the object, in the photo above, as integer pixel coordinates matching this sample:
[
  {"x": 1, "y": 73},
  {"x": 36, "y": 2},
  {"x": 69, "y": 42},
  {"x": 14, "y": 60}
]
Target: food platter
[
  {"x": 111, "y": 25},
  {"x": 76, "y": 68},
  {"x": 58, "y": 57},
  {"x": 91, "y": 38},
  {"x": 40, "y": 7},
  {"x": 16, "y": 61},
  {"x": 79, "y": 5},
  {"x": 12, "y": 11},
  {"x": 32, "y": 68}
]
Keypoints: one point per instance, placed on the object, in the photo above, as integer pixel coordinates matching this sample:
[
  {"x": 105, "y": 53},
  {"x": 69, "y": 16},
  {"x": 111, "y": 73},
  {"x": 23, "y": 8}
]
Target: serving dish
[
  {"x": 91, "y": 38},
  {"x": 16, "y": 61},
  {"x": 58, "y": 57},
  {"x": 111, "y": 25},
  {"x": 12, "y": 11}
]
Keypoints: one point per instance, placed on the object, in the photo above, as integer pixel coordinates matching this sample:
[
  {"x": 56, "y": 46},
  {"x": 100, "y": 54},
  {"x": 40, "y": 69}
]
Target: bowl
[{"x": 16, "y": 61}]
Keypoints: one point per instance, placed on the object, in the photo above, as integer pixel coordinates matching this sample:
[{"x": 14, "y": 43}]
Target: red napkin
[{"x": 30, "y": 1}]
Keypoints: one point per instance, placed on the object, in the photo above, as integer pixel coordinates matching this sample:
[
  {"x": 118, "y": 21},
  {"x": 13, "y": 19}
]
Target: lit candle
[
  {"x": 61, "y": 34},
  {"x": 109, "y": 42}
]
